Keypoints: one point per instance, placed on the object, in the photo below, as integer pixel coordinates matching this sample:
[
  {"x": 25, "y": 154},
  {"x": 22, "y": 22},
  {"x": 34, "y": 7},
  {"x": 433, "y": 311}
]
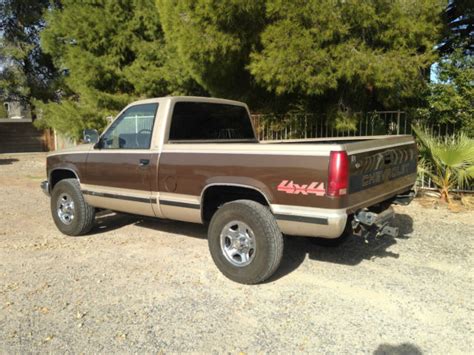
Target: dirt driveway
[{"x": 145, "y": 285}]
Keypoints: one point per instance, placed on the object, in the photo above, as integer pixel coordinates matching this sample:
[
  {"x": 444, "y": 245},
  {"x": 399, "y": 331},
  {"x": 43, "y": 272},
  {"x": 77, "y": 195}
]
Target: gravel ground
[{"x": 147, "y": 285}]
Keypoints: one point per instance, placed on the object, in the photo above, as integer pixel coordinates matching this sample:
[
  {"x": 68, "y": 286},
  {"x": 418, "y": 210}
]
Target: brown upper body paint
[{"x": 190, "y": 173}]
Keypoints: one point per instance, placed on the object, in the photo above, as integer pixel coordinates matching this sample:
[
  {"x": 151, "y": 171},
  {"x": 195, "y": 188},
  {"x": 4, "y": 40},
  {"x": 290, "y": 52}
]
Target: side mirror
[{"x": 90, "y": 136}]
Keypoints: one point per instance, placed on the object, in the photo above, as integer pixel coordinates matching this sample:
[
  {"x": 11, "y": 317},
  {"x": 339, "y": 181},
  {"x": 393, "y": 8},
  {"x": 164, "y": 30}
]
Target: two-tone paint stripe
[
  {"x": 180, "y": 204},
  {"x": 142, "y": 199},
  {"x": 303, "y": 219},
  {"x": 120, "y": 197},
  {"x": 196, "y": 206},
  {"x": 282, "y": 217}
]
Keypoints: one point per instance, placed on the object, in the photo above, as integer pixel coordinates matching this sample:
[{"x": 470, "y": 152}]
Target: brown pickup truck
[{"x": 197, "y": 160}]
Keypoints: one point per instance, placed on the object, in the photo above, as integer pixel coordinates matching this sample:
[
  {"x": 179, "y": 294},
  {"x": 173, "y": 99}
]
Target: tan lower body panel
[
  {"x": 310, "y": 222},
  {"x": 174, "y": 206},
  {"x": 186, "y": 208},
  {"x": 139, "y": 208},
  {"x": 292, "y": 220},
  {"x": 117, "y": 199}
]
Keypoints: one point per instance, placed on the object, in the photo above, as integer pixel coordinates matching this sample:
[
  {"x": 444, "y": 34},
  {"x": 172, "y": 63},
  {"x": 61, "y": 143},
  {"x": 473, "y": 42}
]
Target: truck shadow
[
  {"x": 175, "y": 227},
  {"x": 107, "y": 221},
  {"x": 8, "y": 161},
  {"x": 352, "y": 251},
  {"x": 401, "y": 349}
]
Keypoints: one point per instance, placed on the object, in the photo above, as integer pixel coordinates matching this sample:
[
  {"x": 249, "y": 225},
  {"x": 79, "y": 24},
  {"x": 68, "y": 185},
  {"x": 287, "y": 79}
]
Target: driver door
[{"x": 118, "y": 170}]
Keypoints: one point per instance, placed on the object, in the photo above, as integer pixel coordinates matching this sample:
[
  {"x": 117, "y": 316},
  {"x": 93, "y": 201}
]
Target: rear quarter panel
[
  {"x": 191, "y": 171},
  {"x": 188, "y": 169}
]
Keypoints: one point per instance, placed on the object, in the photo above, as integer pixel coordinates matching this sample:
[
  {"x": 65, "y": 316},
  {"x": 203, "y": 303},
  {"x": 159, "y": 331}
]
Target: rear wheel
[
  {"x": 71, "y": 214},
  {"x": 245, "y": 241}
]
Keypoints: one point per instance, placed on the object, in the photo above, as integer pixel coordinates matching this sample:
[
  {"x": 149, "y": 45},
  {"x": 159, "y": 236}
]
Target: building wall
[
  {"x": 16, "y": 110},
  {"x": 19, "y": 135}
]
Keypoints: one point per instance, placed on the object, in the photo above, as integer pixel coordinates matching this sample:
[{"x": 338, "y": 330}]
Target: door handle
[{"x": 144, "y": 162}]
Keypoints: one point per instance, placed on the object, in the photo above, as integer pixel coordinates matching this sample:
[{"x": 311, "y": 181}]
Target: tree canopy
[
  {"x": 370, "y": 53},
  {"x": 26, "y": 71},
  {"x": 111, "y": 52},
  {"x": 331, "y": 56},
  {"x": 459, "y": 29},
  {"x": 214, "y": 40},
  {"x": 451, "y": 98}
]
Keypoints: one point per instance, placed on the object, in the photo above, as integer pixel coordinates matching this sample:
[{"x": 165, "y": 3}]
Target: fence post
[
  {"x": 406, "y": 124},
  {"x": 398, "y": 121}
]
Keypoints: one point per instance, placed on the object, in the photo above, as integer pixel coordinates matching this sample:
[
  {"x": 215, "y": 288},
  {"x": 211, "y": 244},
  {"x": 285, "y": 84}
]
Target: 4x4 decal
[{"x": 315, "y": 188}]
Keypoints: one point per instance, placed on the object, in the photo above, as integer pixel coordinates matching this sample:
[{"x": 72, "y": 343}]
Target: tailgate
[{"x": 388, "y": 163}]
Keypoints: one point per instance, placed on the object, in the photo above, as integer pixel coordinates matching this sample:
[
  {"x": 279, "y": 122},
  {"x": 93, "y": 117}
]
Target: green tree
[
  {"x": 111, "y": 52},
  {"x": 213, "y": 41},
  {"x": 459, "y": 29},
  {"x": 354, "y": 54},
  {"x": 3, "y": 111},
  {"x": 341, "y": 55},
  {"x": 26, "y": 71},
  {"x": 451, "y": 98}
]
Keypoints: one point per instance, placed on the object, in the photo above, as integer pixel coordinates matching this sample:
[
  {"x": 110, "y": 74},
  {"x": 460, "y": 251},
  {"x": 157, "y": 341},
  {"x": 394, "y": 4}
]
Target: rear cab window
[{"x": 205, "y": 122}]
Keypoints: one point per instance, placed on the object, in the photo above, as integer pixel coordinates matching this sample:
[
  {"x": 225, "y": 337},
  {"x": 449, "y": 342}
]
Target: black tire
[
  {"x": 267, "y": 238},
  {"x": 83, "y": 215}
]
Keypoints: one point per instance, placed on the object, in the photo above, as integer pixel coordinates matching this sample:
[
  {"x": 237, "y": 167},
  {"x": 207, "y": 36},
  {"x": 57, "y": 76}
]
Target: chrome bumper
[{"x": 45, "y": 187}]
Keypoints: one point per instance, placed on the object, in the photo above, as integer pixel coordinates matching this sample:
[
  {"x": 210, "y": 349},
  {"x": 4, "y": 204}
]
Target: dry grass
[{"x": 459, "y": 203}]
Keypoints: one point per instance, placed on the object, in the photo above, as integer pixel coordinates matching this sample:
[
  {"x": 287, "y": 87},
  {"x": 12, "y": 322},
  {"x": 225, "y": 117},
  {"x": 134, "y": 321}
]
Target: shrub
[{"x": 448, "y": 161}]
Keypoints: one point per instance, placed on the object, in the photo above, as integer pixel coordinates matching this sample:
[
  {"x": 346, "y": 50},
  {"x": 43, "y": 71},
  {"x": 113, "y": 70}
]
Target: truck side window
[
  {"x": 132, "y": 130},
  {"x": 193, "y": 121}
]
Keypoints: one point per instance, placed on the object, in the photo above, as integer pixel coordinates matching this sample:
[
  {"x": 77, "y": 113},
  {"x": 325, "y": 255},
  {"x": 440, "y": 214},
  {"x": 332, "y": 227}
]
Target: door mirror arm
[{"x": 99, "y": 144}]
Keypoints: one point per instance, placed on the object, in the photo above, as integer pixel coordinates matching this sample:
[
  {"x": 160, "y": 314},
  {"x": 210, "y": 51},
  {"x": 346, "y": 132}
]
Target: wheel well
[
  {"x": 216, "y": 196},
  {"x": 60, "y": 174}
]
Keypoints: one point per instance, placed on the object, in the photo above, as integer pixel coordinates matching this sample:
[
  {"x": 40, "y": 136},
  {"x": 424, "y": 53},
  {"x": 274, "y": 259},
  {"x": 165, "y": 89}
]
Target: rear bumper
[
  {"x": 45, "y": 187},
  {"x": 331, "y": 223},
  {"x": 309, "y": 221}
]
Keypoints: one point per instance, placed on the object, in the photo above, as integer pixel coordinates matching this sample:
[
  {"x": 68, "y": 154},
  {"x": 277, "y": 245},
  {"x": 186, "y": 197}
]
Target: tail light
[{"x": 338, "y": 174}]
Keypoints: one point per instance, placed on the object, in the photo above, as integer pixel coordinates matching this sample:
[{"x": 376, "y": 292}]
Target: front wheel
[
  {"x": 245, "y": 241},
  {"x": 71, "y": 213}
]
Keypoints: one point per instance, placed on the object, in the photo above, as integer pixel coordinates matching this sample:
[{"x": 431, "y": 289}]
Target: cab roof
[{"x": 172, "y": 99}]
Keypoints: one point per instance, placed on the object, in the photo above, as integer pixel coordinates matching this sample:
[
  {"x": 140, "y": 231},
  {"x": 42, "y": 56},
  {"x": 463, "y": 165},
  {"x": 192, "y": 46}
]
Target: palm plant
[{"x": 448, "y": 161}]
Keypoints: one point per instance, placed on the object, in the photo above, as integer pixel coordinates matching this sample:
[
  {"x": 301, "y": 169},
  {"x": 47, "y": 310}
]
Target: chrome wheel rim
[
  {"x": 65, "y": 208},
  {"x": 238, "y": 243}
]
